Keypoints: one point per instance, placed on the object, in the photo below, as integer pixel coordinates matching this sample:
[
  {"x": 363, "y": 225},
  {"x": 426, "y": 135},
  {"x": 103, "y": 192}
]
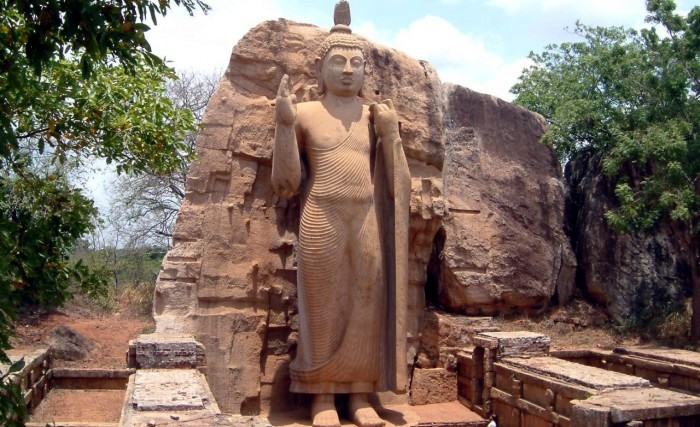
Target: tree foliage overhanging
[
  {"x": 631, "y": 98},
  {"x": 144, "y": 207},
  {"x": 77, "y": 81}
]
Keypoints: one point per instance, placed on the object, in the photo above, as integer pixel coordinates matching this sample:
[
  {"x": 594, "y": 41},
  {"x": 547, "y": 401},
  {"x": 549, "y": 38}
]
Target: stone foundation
[{"x": 513, "y": 376}]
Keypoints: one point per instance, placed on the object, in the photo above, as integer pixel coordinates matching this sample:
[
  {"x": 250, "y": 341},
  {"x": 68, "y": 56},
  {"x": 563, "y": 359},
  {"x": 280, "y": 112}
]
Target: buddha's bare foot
[
  {"x": 362, "y": 412},
  {"x": 323, "y": 411}
]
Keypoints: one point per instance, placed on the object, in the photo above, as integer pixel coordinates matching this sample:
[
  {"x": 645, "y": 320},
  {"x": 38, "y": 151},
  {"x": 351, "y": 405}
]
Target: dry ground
[
  {"x": 578, "y": 325},
  {"x": 111, "y": 330},
  {"x": 575, "y": 326}
]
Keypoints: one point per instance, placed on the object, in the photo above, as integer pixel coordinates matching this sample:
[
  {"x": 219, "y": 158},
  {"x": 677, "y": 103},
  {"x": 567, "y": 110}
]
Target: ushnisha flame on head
[{"x": 341, "y": 34}]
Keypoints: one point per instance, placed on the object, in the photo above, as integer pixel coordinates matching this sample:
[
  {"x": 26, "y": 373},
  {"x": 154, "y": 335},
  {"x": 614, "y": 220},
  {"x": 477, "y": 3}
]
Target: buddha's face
[{"x": 342, "y": 71}]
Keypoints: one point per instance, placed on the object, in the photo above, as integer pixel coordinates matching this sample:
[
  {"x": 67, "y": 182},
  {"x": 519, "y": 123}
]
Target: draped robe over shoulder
[
  {"x": 352, "y": 257},
  {"x": 340, "y": 278}
]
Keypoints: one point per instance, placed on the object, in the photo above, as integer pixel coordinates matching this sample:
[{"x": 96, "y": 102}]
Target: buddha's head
[{"x": 341, "y": 61}]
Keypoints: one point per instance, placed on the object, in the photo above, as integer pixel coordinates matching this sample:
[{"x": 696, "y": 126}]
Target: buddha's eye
[{"x": 356, "y": 63}]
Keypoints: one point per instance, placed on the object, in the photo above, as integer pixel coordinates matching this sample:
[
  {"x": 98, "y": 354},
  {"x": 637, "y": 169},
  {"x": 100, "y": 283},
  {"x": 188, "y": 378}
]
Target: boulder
[
  {"x": 230, "y": 278},
  {"x": 635, "y": 276},
  {"x": 68, "y": 344},
  {"x": 505, "y": 249}
]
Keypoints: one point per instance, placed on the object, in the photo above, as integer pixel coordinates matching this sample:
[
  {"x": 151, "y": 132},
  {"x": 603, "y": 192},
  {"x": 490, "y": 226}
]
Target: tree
[
  {"x": 631, "y": 98},
  {"x": 146, "y": 205},
  {"x": 77, "y": 80}
]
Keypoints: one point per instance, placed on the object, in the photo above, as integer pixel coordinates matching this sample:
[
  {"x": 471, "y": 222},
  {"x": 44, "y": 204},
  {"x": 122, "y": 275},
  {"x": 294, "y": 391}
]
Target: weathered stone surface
[
  {"x": 433, "y": 386},
  {"x": 443, "y": 336},
  {"x": 623, "y": 406},
  {"x": 169, "y": 390},
  {"x": 166, "y": 351},
  {"x": 631, "y": 275},
  {"x": 32, "y": 359},
  {"x": 518, "y": 344},
  {"x": 575, "y": 373},
  {"x": 671, "y": 355},
  {"x": 230, "y": 279},
  {"x": 68, "y": 344},
  {"x": 174, "y": 396},
  {"x": 505, "y": 248}
]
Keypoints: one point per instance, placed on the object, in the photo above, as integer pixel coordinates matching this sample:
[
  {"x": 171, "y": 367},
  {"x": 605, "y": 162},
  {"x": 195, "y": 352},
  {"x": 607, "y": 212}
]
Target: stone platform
[
  {"x": 168, "y": 396},
  {"x": 626, "y": 406},
  {"x": 574, "y": 373},
  {"x": 450, "y": 414},
  {"x": 671, "y": 355}
]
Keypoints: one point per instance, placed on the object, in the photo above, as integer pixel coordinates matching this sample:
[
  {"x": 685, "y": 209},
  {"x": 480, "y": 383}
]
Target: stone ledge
[
  {"x": 575, "y": 373},
  {"x": 168, "y": 390},
  {"x": 165, "y": 351},
  {"x": 635, "y": 404},
  {"x": 521, "y": 343},
  {"x": 670, "y": 355}
]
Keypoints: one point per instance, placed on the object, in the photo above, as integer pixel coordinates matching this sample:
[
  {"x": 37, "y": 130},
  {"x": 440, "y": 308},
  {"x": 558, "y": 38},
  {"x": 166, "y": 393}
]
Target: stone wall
[{"x": 230, "y": 277}]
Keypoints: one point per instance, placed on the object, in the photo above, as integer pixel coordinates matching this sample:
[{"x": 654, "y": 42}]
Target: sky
[{"x": 480, "y": 44}]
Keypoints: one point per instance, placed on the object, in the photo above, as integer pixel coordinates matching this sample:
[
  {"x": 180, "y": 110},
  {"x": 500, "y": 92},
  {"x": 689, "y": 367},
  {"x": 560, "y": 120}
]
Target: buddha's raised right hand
[{"x": 285, "y": 104}]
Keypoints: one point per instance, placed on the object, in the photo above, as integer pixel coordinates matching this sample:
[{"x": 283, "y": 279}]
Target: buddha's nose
[{"x": 348, "y": 68}]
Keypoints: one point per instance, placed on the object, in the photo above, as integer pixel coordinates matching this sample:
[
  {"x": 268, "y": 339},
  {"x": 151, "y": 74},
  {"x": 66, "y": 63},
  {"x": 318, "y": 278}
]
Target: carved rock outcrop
[
  {"x": 505, "y": 248},
  {"x": 230, "y": 277},
  {"x": 634, "y": 276}
]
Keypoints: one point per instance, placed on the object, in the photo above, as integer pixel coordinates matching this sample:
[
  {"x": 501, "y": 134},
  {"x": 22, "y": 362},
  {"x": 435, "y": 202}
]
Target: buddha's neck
[{"x": 331, "y": 100}]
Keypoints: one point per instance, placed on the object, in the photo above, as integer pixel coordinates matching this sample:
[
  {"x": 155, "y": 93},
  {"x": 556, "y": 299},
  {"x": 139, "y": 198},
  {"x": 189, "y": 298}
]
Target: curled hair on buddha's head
[{"x": 341, "y": 37}]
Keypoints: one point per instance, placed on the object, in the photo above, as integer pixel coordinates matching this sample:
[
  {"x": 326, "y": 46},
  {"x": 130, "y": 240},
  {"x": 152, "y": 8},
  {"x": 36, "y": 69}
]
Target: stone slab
[
  {"x": 671, "y": 355},
  {"x": 31, "y": 358},
  {"x": 91, "y": 373},
  {"x": 168, "y": 390},
  {"x": 520, "y": 343},
  {"x": 449, "y": 414},
  {"x": 643, "y": 404},
  {"x": 151, "y": 351},
  {"x": 191, "y": 418},
  {"x": 513, "y": 335},
  {"x": 576, "y": 373},
  {"x": 173, "y": 397}
]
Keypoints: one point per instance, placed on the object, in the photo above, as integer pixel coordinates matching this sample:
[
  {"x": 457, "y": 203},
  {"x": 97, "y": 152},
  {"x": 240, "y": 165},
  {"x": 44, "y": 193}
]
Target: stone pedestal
[
  {"x": 167, "y": 351},
  {"x": 168, "y": 386},
  {"x": 519, "y": 344}
]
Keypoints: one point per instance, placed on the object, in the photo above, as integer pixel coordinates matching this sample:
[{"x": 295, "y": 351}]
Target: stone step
[
  {"x": 163, "y": 350},
  {"x": 167, "y": 395}
]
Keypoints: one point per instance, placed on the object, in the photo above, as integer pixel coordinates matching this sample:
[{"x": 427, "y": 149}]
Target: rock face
[
  {"x": 634, "y": 276},
  {"x": 229, "y": 279},
  {"x": 505, "y": 247},
  {"x": 435, "y": 385}
]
